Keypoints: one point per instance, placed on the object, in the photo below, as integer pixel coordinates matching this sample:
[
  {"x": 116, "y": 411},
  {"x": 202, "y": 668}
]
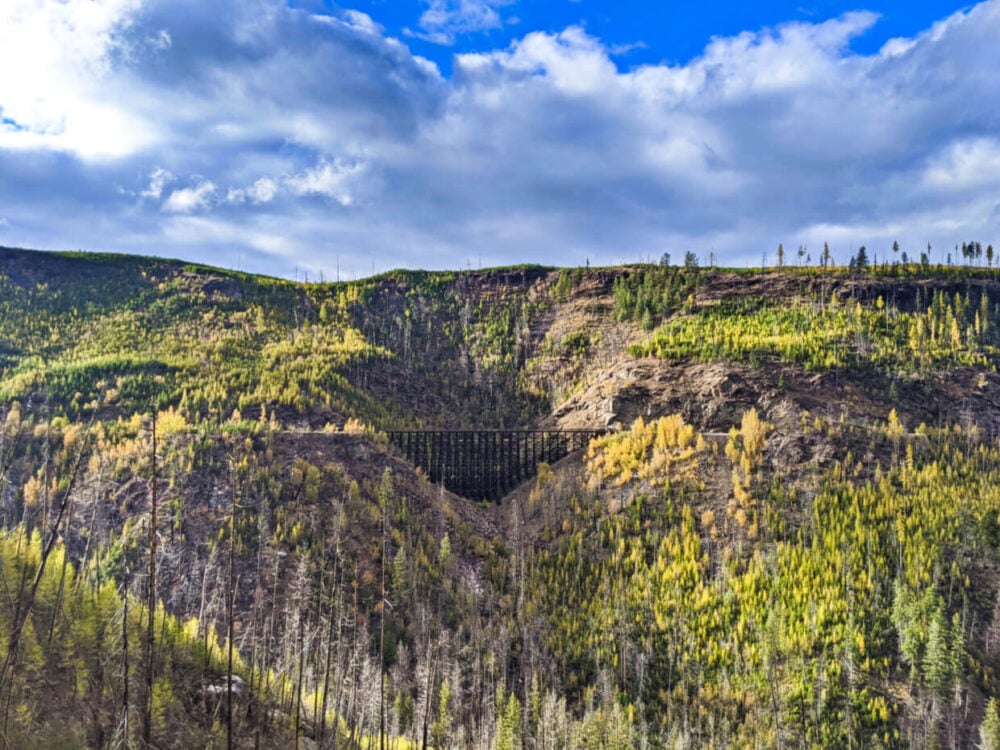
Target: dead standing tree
[
  {"x": 150, "y": 644},
  {"x": 25, "y": 599}
]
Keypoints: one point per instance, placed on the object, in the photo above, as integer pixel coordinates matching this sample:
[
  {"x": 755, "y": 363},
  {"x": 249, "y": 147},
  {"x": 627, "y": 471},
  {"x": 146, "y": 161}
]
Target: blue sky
[
  {"x": 312, "y": 136},
  {"x": 652, "y": 32}
]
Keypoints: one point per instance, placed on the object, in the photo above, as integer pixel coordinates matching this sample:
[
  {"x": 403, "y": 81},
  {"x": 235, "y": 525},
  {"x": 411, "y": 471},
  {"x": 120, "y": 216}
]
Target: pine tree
[
  {"x": 508, "y": 734},
  {"x": 989, "y": 731},
  {"x": 956, "y": 648},
  {"x": 937, "y": 665},
  {"x": 441, "y": 729}
]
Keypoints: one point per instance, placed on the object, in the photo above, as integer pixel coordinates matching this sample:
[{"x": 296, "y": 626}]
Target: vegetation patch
[{"x": 942, "y": 332}]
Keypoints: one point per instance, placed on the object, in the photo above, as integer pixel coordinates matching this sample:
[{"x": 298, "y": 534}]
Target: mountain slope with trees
[{"x": 789, "y": 538}]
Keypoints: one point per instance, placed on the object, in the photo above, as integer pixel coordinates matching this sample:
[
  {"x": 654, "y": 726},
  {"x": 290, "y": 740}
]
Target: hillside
[{"x": 789, "y": 537}]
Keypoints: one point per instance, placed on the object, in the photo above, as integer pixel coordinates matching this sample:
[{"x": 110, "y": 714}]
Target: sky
[{"x": 321, "y": 139}]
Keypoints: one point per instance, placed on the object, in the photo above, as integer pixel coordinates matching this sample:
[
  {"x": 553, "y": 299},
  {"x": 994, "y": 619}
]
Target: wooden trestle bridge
[{"x": 486, "y": 464}]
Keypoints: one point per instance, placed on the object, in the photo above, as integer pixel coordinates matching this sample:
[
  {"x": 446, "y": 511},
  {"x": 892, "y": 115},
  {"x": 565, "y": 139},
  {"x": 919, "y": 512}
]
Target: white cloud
[
  {"x": 362, "y": 21},
  {"x": 263, "y": 190},
  {"x": 161, "y": 40},
  {"x": 158, "y": 179},
  {"x": 896, "y": 47},
  {"x": 331, "y": 179},
  {"x": 543, "y": 151},
  {"x": 571, "y": 61},
  {"x": 444, "y": 20},
  {"x": 186, "y": 200},
  {"x": 62, "y": 53},
  {"x": 968, "y": 163}
]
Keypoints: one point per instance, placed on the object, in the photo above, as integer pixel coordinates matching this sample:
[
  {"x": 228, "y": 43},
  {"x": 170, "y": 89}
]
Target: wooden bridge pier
[{"x": 486, "y": 464}]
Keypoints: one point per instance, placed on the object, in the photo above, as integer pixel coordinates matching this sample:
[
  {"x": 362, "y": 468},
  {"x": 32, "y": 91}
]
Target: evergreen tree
[
  {"x": 937, "y": 666},
  {"x": 989, "y": 731},
  {"x": 508, "y": 734},
  {"x": 956, "y": 648},
  {"x": 441, "y": 729}
]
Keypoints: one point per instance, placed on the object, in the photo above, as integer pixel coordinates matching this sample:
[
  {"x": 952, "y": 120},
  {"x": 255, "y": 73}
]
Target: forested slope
[
  {"x": 791, "y": 537},
  {"x": 116, "y": 334}
]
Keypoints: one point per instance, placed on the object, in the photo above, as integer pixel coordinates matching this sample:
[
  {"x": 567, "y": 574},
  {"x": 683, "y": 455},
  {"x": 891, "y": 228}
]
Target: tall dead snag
[
  {"x": 147, "y": 710},
  {"x": 123, "y": 727},
  {"x": 334, "y": 619},
  {"x": 229, "y": 609},
  {"x": 24, "y": 605},
  {"x": 385, "y": 495}
]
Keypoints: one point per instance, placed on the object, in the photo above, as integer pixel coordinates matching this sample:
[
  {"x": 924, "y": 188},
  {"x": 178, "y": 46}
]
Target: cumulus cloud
[
  {"x": 967, "y": 163},
  {"x": 190, "y": 199},
  {"x": 62, "y": 52},
  {"x": 330, "y": 179},
  {"x": 263, "y": 190},
  {"x": 444, "y": 20},
  {"x": 362, "y": 21},
  {"x": 158, "y": 179},
  {"x": 251, "y": 128}
]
